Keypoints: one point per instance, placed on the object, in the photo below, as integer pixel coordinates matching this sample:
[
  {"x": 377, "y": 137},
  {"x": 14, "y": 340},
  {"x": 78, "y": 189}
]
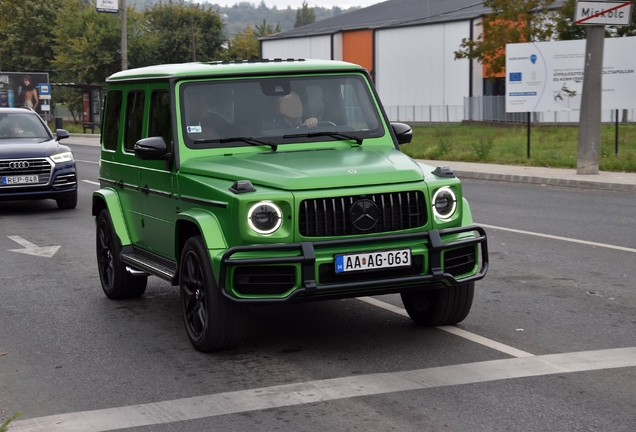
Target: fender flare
[
  {"x": 109, "y": 199},
  {"x": 467, "y": 215},
  {"x": 208, "y": 225}
]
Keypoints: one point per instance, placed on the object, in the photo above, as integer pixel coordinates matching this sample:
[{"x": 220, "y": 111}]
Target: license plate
[
  {"x": 20, "y": 179},
  {"x": 373, "y": 260}
]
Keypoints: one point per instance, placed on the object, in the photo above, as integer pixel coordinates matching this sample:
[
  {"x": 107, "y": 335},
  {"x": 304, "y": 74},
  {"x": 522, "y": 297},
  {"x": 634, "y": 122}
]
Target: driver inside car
[{"x": 290, "y": 110}]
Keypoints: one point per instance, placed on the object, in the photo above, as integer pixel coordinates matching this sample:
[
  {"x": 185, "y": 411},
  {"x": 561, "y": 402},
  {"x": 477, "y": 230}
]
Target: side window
[
  {"x": 160, "y": 124},
  {"x": 134, "y": 118},
  {"x": 112, "y": 116}
]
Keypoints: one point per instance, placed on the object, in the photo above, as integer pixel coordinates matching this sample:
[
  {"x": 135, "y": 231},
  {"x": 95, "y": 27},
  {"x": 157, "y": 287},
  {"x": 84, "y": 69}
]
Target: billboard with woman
[{"x": 20, "y": 89}]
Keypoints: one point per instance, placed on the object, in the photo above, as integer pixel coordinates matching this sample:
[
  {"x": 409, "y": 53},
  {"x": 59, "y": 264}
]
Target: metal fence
[
  {"x": 426, "y": 113},
  {"x": 493, "y": 108}
]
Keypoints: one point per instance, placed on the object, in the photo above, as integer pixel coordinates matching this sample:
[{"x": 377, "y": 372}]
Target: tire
[
  {"x": 117, "y": 283},
  {"x": 438, "y": 307},
  {"x": 67, "y": 203},
  {"x": 213, "y": 322}
]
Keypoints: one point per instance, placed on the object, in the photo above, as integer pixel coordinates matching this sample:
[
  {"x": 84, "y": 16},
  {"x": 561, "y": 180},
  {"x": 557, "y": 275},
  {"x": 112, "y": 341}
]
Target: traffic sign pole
[{"x": 590, "y": 120}]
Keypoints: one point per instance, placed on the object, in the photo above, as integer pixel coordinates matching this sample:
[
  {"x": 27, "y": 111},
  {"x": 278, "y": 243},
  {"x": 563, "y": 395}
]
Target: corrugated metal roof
[{"x": 392, "y": 13}]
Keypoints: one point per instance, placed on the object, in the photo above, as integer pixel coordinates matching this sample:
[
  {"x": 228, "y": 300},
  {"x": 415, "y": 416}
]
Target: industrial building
[{"x": 409, "y": 47}]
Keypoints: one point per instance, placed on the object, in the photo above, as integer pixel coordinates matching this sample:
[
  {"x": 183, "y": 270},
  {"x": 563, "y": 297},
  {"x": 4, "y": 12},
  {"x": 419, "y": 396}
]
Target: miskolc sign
[{"x": 603, "y": 13}]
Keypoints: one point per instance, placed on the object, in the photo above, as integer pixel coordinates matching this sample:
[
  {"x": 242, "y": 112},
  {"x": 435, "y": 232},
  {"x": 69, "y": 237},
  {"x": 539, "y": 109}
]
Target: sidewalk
[
  {"x": 604, "y": 180},
  {"x": 617, "y": 181}
]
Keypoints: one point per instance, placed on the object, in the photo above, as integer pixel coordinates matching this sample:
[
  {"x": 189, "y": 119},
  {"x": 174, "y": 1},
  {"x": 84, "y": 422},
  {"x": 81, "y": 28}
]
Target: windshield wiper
[
  {"x": 337, "y": 135},
  {"x": 247, "y": 140}
]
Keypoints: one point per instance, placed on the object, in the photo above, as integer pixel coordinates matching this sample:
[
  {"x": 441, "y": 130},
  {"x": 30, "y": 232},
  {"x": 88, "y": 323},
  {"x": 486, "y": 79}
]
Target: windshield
[
  {"x": 230, "y": 113},
  {"x": 22, "y": 125}
]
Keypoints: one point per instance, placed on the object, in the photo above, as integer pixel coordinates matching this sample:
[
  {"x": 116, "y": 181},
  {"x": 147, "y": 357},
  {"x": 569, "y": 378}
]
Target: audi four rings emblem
[{"x": 18, "y": 165}]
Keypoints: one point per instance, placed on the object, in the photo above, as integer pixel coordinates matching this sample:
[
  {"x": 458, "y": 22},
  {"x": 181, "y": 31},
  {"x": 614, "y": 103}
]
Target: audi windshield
[{"x": 25, "y": 126}]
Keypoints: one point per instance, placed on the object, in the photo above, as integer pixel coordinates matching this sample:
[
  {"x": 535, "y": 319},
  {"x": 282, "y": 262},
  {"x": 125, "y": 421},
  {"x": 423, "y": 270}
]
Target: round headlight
[
  {"x": 264, "y": 217},
  {"x": 444, "y": 203}
]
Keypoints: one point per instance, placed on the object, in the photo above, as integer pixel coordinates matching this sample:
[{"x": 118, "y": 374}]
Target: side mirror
[
  {"x": 151, "y": 148},
  {"x": 61, "y": 134},
  {"x": 403, "y": 132}
]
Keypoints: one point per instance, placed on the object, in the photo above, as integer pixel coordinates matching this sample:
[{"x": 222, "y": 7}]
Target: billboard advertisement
[
  {"x": 20, "y": 89},
  {"x": 548, "y": 76}
]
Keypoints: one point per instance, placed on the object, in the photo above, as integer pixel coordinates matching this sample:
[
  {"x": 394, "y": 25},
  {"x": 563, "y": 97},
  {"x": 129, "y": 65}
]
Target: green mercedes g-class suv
[{"x": 280, "y": 181}]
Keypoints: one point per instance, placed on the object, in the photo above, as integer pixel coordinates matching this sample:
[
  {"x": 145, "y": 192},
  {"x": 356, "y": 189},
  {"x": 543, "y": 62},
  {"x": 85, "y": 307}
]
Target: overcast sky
[{"x": 295, "y": 4}]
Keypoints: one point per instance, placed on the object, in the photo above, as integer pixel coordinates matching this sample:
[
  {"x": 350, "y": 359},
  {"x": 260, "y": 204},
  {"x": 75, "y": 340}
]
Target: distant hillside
[{"x": 241, "y": 14}]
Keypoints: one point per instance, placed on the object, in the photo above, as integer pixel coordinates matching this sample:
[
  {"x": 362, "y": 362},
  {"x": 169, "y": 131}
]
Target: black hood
[{"x": 29, "y": 148}]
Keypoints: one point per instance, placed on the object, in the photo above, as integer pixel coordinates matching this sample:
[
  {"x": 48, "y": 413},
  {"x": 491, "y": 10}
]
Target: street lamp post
[{"x": 124, "y": 36}]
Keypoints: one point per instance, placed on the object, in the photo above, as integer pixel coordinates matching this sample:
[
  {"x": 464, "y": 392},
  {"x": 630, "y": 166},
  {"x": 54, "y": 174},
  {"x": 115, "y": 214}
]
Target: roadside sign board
[
  {"x": 548, "y": 76},
  {"x": 111, "y": 6},
  {"x": 603, "y": 13},
  {"x": 44, "y": 89}
]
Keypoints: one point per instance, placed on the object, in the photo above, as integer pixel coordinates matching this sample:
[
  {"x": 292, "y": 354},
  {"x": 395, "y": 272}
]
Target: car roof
[
  {"x": 218, "y": 68},
  {"x": 20, "y": 110}
]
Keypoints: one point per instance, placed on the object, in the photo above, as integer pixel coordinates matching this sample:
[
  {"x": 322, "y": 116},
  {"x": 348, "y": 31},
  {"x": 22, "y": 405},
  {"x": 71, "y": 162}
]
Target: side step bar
[{"x": 141, "y": 263}]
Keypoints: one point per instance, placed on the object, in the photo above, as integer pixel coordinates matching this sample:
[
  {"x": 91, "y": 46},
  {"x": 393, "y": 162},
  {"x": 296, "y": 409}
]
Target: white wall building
[{"x": 408, "y": 47}]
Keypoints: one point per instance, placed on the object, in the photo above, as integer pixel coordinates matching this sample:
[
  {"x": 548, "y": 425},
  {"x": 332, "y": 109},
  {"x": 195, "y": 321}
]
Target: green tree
[
  {"x": 243, "y": 46},
  {"x": 173, "y": 26},
  {"x": 511, "y": 21},
  {"x": 304, "y": 16},
  {"x": 265, "y": 29},
  {"x": 565, "y": 27},
  {"x": 27, "y": 34},
  {"x": 87, "y": 43}
]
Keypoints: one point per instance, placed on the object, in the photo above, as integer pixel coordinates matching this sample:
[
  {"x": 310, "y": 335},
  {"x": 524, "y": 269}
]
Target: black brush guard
[{"x": 311, "y": 291}]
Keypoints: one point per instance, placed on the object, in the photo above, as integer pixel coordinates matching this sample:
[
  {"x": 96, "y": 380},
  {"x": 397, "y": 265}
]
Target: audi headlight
[
  {"x": 444, "y": 203},
  {"x": 265, "y": 217},
  {"x": 62, "y": 157}
]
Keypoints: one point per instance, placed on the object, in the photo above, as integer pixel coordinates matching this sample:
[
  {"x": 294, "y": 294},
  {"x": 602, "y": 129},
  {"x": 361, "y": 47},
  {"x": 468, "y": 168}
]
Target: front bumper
[
  {"x": 63, "y": 184},
  {"x": 306, "y": 258}
]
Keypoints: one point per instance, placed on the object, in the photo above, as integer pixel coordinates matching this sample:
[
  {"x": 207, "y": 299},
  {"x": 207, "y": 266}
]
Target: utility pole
[
  {"x": 596, "y": 14},
  {"x": 124, "y": 36},
  {"x": 590, "y": 120}
]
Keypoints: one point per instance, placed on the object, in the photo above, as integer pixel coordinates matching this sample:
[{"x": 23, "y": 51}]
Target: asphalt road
[{"x": 549, "y": 345}]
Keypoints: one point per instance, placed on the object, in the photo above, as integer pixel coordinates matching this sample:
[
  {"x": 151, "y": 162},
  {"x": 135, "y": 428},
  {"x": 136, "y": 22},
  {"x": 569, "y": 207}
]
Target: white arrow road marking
[{"x": 31, "y": 249}]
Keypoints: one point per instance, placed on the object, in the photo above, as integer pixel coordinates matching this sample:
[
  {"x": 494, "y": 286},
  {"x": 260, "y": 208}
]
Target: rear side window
[
  {"x": 160, "y": 124},
  {"x": 134, "y": 118},
  {"x": 110, "y": 131}
]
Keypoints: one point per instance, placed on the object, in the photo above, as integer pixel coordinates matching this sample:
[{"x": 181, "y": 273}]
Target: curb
[{"x": 584, "y": 184}]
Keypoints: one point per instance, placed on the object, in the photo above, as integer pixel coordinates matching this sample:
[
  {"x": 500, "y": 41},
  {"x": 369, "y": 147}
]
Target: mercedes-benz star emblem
[
  {"x": 364, "y": 214},
  {"x": 18, "y": 165}
]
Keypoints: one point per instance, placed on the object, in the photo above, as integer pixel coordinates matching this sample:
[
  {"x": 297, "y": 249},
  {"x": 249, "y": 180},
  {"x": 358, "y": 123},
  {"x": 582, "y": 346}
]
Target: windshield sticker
[{"x": 194, "y": 129}]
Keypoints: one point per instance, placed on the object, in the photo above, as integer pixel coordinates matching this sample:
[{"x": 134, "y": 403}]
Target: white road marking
[
  {"x": 589, "y": 243},
  {"x": 326, "y": 390},
  {"x": 85, "y": 161},
  {"x": 91, "y": 182},
  {"x": 454, "y": 330},
  {"x": 31, "y": 249}
]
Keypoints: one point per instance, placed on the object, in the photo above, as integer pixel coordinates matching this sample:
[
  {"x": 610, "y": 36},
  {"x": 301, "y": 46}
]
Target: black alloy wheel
[
  {"x": 213, "y": 322},
  {"x": 116, "y": 282}
]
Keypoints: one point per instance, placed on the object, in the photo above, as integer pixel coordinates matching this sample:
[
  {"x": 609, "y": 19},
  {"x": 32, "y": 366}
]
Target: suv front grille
[
  {"x": 26, "y": 167},
  {"x": 327, "y": 217}
]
